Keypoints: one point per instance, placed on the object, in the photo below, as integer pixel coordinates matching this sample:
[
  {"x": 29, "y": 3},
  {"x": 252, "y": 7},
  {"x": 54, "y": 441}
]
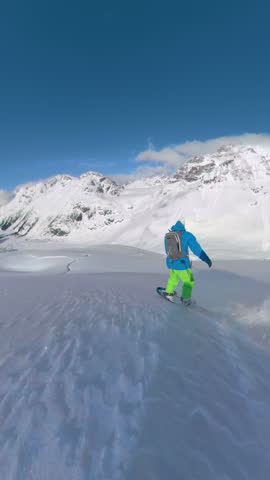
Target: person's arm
[{"x": 197, "y": 250}]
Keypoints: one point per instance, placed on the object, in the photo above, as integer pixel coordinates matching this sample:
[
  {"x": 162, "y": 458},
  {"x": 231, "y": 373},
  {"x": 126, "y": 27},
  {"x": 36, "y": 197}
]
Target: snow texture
[{"x": 101, "y": 378}]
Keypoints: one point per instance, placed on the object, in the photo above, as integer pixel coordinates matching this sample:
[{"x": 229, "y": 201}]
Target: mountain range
[{"x": 224, "y": 197}]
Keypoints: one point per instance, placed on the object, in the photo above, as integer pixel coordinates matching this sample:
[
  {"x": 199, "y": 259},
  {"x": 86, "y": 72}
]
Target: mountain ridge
[{"x": 231, "y": 186}]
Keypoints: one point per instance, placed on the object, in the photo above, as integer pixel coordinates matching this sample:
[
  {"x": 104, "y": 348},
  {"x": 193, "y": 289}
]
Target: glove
[{"x": 210, "y": 263}]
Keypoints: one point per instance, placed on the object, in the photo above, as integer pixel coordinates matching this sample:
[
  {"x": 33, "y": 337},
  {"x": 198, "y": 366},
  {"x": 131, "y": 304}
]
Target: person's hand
[{"x": 210, "y": 263}]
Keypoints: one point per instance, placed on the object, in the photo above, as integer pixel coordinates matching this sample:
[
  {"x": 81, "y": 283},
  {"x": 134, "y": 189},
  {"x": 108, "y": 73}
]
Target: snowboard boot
[
  {"x": 170, "y": 296},
  {"x": 186, "y": 301}
]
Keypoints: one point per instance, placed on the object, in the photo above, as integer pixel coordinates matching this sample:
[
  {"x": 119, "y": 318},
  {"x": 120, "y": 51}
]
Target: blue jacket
[{"x": 188, "y": 241}]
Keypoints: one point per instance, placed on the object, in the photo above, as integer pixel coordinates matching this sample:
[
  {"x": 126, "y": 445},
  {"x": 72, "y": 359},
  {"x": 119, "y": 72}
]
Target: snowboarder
[{"x": 177, "y": 246}]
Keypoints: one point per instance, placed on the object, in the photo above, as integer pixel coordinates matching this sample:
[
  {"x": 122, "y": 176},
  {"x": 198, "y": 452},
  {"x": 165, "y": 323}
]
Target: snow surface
[{"x": 101, "y": 379}]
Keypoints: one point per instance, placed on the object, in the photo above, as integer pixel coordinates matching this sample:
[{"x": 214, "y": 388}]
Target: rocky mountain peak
[
  {"x": 94, "y": 181},
  {"x": 229, "y": 163}
]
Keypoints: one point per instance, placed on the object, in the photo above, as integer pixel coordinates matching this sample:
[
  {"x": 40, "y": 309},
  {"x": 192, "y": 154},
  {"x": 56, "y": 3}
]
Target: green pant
[{"x": 187, "y": 279}]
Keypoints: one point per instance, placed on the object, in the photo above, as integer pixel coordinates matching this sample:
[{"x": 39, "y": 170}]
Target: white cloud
[
  {"x": 177, "y": 155},
  {"x": 167, "y": 155},
  {"x": 5, "y": 197}
]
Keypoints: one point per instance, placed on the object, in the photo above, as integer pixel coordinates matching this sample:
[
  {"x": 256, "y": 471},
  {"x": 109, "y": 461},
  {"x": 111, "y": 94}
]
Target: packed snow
[{"x": 100, "y": 378}]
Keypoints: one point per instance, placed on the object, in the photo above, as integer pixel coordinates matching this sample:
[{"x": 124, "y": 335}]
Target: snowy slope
[
  {"x": 57, "y": 206},
  {"x": 224, "y": 197},
  {"x": 102, "y": 379}
]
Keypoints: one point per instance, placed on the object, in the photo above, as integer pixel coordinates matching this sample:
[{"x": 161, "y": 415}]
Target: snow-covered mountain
[
  {"x": 63, "y": 203},
  {"x": 230, "y": 163},
  {"x": 225, "y": 197}
]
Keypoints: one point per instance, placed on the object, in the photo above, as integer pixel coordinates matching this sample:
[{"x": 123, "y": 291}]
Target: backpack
[{"x": 173, "y": 242}]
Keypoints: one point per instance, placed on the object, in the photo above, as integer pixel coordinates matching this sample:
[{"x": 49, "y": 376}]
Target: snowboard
[
  {"x": 176, "y": 298},
  {"x": 177, "y": 301}
]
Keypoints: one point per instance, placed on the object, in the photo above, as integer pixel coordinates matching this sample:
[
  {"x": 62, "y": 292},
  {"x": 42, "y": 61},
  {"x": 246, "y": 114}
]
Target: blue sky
[{"x": 90, "y": 85}]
